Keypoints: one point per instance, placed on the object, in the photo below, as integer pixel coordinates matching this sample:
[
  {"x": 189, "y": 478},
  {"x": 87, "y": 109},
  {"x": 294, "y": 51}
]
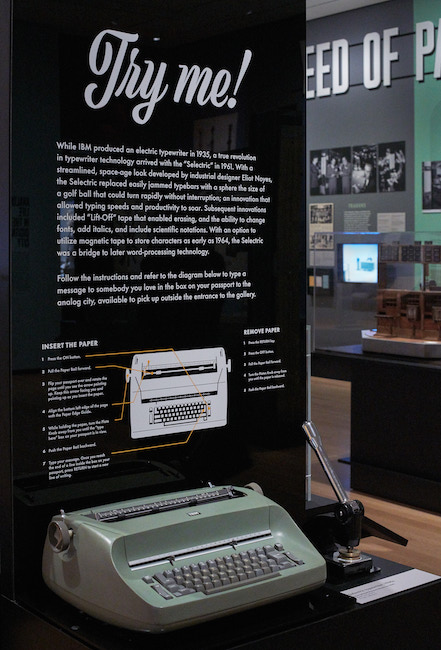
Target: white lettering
[
  {"x": 372, "y": 60},
  {"x": 322, "y": 70},
  {"x": 338, "y": 69},
  {"x": 388, "y": 55},
  {"x": 147, "y": 85},
  {"x": 437, "y": 66},
  {"x": 340, "y": 66},
  {"x": 424, "y": 45},
  {"x": 310, "y": 94},
  {"x": 207, "y": 86},
  {"x": 111, "y": 58}
]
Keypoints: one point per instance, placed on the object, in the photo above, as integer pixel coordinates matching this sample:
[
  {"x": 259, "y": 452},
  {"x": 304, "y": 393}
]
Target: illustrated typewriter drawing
[{"x": 178, "y": 391}]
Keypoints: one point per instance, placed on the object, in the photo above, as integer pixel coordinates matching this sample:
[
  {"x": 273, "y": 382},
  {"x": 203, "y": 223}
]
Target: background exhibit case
[
  {"x": 396, "y": 314},
  {"x": 380, "y": 291}
]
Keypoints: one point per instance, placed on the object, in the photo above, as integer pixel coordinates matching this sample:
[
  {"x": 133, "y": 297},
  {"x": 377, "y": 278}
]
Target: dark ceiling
[{"x": 173, "y": 21}]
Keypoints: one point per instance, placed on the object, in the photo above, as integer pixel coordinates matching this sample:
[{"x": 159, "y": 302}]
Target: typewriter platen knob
[
  {"x": 59, "y": 536},
  {"x": 254, "y": 486}
]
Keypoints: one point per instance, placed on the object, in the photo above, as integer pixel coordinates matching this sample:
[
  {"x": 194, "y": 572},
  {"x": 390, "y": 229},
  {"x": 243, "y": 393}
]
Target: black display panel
[{"x": 157, "y": 244}]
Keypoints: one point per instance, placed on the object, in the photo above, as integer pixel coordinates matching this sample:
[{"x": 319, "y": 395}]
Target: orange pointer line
[
  {"x": 123, "y": 403},
  {"x": 169, "y": 444},
  {"x": 146, "y": 372},
  {"x": 196, "y": 388},
  {"x": 114, "y": 354}
]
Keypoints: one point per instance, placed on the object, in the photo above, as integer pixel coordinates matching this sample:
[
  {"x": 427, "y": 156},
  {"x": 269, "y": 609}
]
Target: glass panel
[{"x": 157, "y": 255}]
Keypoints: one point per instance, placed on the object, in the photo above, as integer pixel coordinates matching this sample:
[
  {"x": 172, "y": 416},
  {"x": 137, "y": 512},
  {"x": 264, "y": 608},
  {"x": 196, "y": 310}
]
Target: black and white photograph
[
  {"x": 431, "y": 179},
  {"x": 338, "y": 171},
  {"x": 330, "y": 171},
  {"x": 364, "y": 169},
  {"x": 392, "y": 167},
  {"x": 345, "y": 170},
  {"x": 317, "y": 172},
  {"x": 321, "y": 213},
  {"x": 322, "y": 241}
]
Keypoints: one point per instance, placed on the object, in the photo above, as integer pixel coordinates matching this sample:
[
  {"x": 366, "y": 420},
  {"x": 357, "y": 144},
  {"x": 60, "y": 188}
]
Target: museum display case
[
  {"x": 376, "y": 292},
  {"x": 375, "y": 302},
  {"x": 152, "y": 351}
]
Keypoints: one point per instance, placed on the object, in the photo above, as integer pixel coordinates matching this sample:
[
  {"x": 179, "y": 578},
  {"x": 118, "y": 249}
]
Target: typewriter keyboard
[
  {"x": 223, "y": 573},
  {"x": 176, "y": 413}
]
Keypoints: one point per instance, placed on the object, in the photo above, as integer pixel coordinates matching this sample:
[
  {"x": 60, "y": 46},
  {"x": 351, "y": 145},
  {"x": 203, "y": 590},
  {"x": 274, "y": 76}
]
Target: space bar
[{"x": 241, "y": 583}]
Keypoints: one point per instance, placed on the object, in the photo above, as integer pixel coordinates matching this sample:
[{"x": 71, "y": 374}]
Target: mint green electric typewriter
[{"x": 167, "y": 562}]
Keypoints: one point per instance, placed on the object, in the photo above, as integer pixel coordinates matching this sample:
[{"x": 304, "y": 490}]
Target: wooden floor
[{"x": 330, "y": 411}]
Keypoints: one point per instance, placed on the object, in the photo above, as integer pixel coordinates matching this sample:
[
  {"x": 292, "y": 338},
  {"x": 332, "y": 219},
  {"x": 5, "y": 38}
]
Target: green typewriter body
[{"x": 162, "y": 563}]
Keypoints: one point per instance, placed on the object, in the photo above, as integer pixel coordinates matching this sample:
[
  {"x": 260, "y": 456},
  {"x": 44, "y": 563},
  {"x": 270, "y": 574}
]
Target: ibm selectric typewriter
[{"x": 162, "y": 563}]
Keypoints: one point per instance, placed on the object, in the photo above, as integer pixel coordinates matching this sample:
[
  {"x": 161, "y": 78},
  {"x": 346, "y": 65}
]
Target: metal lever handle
[
  {"x": 315, "y": 442},
  {"x": 350, "y": 514}
]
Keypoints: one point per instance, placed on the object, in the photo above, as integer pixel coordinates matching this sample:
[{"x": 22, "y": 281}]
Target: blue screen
[{"x": 360, "y": 263}]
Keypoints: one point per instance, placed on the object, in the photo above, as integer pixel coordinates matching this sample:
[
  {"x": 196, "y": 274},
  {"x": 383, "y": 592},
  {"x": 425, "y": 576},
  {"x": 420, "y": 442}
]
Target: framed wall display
[
  {"x": 153, "y": 219},
  {"x": 321, "y": 226}
]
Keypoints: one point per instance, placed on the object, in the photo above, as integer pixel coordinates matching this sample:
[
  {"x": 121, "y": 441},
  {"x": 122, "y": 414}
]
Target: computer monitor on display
[{"x": 358, "y": 263}]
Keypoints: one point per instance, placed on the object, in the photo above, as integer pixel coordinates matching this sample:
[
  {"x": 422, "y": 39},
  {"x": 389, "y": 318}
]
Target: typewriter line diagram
[{"x": 173, "y": 391}]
